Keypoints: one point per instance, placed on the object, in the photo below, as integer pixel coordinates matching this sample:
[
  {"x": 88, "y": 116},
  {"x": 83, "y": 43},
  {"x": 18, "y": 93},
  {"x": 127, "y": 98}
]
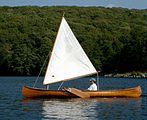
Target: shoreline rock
[{"x": 133, "y": 74}]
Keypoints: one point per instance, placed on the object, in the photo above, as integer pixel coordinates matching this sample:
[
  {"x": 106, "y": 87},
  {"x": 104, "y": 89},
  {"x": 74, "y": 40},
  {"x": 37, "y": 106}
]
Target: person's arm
[{"x": 90, "y": 88}]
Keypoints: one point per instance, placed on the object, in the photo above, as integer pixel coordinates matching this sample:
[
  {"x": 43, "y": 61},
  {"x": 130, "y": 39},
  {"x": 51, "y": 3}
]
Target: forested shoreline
[{"x": 115, "y": 39}]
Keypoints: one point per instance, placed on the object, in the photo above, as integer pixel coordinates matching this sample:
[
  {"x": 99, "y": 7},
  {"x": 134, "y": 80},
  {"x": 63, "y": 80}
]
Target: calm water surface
[{"x": 14, "y": 107}]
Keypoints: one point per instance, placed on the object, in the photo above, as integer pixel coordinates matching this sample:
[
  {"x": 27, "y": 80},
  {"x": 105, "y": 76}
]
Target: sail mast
[{"x": 55, "y": 39}]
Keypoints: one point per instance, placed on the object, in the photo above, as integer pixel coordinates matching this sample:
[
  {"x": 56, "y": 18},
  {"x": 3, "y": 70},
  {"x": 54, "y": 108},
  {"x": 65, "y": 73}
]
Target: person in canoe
[{"x": 93, "y": 85}]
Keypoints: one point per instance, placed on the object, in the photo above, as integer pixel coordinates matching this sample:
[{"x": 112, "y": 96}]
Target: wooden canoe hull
[{"x": 29, "y": 92}]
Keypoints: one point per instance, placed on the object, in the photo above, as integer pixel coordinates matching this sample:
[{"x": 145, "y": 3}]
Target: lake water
[{"x": 14, "y": 107}]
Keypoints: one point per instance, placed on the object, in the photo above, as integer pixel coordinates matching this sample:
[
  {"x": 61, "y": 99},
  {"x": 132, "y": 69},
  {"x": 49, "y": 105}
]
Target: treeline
[{"x": 115, "y": 39}]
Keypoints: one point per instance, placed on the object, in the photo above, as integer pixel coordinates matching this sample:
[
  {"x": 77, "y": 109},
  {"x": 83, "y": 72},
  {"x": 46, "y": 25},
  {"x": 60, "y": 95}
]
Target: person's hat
[{"x": 92, "y": 79}]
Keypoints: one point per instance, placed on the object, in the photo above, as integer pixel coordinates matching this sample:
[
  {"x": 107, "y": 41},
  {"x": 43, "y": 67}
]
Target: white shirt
[{"x": 93, "y": 87}]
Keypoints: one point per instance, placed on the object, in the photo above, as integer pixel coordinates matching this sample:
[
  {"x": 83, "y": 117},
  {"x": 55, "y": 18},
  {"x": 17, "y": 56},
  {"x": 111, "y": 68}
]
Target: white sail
[{"x": 68, "y": 60}]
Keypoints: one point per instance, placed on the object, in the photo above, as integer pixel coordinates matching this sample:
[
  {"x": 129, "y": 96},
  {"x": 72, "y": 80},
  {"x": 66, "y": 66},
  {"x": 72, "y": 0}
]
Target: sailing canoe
[
  {"x": 29, "y": 92},
  {"x": 67, "y": 62}
]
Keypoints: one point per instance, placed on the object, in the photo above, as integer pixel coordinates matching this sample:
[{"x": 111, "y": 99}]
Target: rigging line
[
  {"x": 47, "y": 87},
  {"x": 98, "y": 84},
  {"x": 60, "y": 85},
  {"x": 41, "y": 70}
]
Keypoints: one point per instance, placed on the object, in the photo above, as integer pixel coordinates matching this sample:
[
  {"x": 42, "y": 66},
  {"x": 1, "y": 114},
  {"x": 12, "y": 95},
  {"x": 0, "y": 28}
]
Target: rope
[
  {"x": 98, "y": 84},
  {"x": 40, "y": 71},
  {"x": 60, "y": 85}
]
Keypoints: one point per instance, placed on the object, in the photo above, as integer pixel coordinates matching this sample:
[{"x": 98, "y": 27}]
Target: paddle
[{"x": 77, "y": 92}]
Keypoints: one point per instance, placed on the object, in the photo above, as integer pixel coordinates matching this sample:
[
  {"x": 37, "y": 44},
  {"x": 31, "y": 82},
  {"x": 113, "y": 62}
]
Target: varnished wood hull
[{"x": 29, "y": 92}]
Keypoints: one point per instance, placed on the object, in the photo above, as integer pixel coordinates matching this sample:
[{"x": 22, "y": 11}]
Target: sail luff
[{"x": 53, "y": 46}]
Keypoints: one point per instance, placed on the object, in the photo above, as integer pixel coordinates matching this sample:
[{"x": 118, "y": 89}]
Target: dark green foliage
[{"x": 115, "y": 39}]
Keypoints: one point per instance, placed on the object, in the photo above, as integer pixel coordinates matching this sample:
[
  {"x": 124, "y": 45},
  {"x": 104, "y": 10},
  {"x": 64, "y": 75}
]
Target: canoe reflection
[{"x": 100, "y": 108}]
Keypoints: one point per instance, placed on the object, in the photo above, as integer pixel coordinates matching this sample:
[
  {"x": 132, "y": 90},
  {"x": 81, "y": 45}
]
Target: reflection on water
[
  {"x": 91, "y": 109},
  {"x": 65, "y": 109}
]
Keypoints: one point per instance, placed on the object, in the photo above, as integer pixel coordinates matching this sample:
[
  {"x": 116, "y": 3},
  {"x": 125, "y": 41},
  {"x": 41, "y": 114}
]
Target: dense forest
[{"x": 115, "y": 39}]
